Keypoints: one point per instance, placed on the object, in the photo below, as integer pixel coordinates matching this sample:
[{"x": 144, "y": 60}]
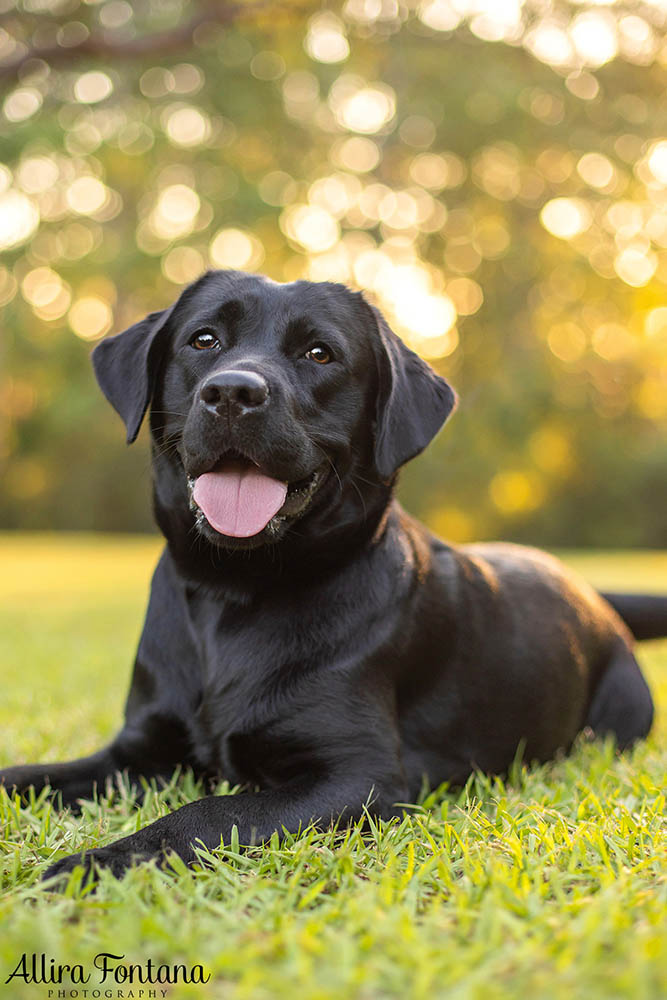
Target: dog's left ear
[
  {"x": 413, "y": 401},
  {"x": 125, "y": 368}
]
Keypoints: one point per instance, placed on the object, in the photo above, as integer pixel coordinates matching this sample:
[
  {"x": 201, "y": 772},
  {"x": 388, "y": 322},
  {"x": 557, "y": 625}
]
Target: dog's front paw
[
  {"x": 21, "y": 777},
  {"x": 116, "y": 857}
]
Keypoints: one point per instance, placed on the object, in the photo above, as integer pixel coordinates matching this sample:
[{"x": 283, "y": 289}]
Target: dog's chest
[{"x": 254, "y": 669}]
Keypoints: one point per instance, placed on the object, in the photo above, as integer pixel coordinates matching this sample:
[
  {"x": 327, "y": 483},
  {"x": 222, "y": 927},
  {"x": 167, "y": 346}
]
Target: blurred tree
[{"x": 493, "y": 175}]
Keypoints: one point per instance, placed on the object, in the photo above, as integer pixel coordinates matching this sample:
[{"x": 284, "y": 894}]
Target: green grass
[{"x": 551, "y": 885}]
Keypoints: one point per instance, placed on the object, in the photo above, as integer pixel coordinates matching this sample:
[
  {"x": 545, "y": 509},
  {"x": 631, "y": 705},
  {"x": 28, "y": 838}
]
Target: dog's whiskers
[
  {"x": 331, "y": 463},
  {"x": 168, "y": 447},
  {"x": 361, "y": 496}
]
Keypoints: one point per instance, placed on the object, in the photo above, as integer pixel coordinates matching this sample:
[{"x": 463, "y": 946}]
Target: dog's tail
[{"x": 644, "y": 614}]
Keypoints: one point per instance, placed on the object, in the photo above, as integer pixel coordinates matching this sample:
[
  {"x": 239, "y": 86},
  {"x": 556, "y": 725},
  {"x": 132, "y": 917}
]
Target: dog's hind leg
[
  {"x": 622, "y": 705},
  {"x": 73, "y": 780}
]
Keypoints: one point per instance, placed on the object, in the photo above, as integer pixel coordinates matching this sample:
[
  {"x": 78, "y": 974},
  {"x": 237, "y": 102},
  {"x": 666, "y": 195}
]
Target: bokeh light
[
  {"x": 325, "y": 40},
  {"x": 493, "y": 176},
  {"x": 236, "y": 249},
  {"x": 356, "y": 153},
  {"x": 657, "y": 161},
  {"x": 594, "y": 37},
  {"x": 90, "y": 88},
  {"x": 175, "y": 211},
  {"x": 46, "y": 292},
  {"x": 596, "y": 170},
  {"x": 362, "y": 107},
  {"x": 19, "y": 218},
  {"x": 22, "y": 104},
  {"x": 312, "y": 227},
  {"x": 90, "y": 317},
  {"x": 565, "y": 217},
  {"x": 635, "y": 265},
  {"x": 183, "y": 264},
  {"x": 187, "y": 126},
  {"x": 87, "y": 195}
]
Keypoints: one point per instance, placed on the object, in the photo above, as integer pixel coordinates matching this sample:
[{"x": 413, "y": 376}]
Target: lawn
[{"x": 549, "y": 885}]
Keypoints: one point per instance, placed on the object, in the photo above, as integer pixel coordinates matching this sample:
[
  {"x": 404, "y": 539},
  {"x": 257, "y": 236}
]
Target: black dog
[{"x": 304, "y": 635}]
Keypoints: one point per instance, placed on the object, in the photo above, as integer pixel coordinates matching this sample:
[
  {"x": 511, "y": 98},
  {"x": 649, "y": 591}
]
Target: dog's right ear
[{"x": 125, "y": 367}]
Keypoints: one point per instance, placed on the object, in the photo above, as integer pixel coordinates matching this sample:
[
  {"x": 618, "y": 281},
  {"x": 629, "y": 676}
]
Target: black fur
[{"x": 346, "y": 655}]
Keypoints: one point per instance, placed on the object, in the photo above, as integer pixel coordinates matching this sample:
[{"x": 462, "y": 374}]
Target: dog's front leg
[
  {"x": 157, "y": 733},
  {"x": 256, "y": 816}
]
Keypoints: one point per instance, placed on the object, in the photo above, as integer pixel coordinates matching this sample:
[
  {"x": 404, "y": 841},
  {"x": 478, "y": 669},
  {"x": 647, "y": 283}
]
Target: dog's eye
[
  {"x": 204, "y": 341},
  {"x": 319, "y": 353}
]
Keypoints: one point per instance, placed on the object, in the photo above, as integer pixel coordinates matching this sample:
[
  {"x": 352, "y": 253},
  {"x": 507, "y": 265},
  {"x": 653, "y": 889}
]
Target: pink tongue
[{"x": 239, "y": 500}]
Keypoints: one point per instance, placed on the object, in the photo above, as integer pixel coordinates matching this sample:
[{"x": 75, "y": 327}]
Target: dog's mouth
[{"x": 238, "y": 500}]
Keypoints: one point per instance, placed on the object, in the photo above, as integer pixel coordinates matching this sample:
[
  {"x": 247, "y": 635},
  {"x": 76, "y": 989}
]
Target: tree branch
[{"x": 105, "y": 45}]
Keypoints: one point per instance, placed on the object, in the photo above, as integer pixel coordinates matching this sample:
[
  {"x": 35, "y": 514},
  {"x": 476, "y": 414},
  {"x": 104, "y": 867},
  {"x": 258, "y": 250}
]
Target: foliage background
[{"x": 493, "y": 174}]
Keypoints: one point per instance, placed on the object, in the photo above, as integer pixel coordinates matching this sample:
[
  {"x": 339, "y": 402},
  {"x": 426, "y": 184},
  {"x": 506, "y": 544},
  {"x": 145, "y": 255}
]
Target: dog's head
[{"x": 276, "y": 410}]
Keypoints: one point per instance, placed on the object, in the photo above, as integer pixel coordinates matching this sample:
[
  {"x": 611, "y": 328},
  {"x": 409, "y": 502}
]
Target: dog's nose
[{"x": 241, "y": 391}]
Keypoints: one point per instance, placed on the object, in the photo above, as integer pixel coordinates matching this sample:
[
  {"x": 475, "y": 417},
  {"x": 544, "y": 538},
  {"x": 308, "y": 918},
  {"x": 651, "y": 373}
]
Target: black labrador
[{"x": 305, "y": 637}]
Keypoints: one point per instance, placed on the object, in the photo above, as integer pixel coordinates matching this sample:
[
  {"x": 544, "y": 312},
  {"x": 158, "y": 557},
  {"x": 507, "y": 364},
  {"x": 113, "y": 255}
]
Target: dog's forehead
[{"x": 259, "y": 296}]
